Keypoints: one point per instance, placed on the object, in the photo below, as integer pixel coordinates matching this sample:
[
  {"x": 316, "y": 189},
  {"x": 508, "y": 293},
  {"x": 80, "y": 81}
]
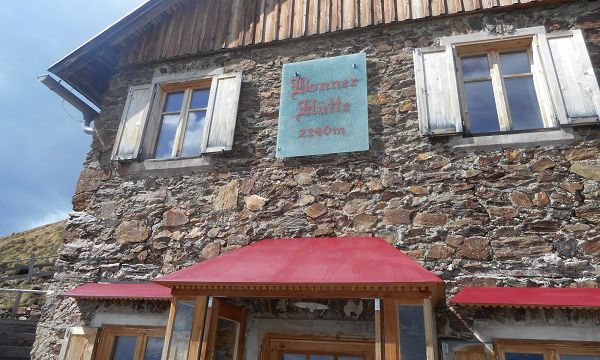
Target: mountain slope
[{"x": 41, "y": 241}]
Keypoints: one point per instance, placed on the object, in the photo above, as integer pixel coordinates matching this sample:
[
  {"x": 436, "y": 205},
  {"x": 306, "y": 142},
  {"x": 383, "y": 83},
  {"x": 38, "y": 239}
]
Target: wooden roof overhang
[
  {"x": 167, "y": 29},
  {"x": 409, "y": 293},
  {"x": 120, "y": 291},
  {"x": 316, "y": 268}
]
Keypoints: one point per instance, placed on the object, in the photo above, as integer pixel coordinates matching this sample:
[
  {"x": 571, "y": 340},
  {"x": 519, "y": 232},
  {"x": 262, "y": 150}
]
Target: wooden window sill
[
  {"x": 525, "y": 139},
  {"x": 168, "y": 167}
]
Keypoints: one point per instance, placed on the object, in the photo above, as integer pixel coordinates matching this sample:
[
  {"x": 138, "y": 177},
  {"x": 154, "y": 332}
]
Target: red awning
[
  {"x": 528, "y": 297},
  {"x": 308, "y": 261},
  {"x": 147, "y": 291}
]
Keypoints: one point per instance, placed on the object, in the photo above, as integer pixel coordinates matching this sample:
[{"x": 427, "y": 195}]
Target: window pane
[
  {"x": 174, "y": 102},
  {"x": 475, "y": 67},
  {"x": 124, "y": 348},
  {"x": 481, "y": 105},
  {"x": 154, "y": 348},
  {"x": 523, "y": 356},
  {"x": 199, "y": 99},
  {"x": 523, "y": 104},
  {"x": 412, "y": 333},
  {"x": 184, "y": 316},
  {"x": 192, "y": 140},
  {"x": 514, "y": 63},
  {"x": 294, "y": 357},
  {"x": 349, "y": 358},
  {"x": 320, "y": 357},
  {"x": 166, "y": 136},
  {"x": 579, "y": 357},
  {"x": 226, "y": 339}
]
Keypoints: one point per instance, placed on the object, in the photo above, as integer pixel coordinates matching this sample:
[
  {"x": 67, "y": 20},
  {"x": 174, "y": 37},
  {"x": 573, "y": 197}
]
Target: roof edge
[
  {"x": 108, "y": 33},
  {"x": 528, "y": 297}
]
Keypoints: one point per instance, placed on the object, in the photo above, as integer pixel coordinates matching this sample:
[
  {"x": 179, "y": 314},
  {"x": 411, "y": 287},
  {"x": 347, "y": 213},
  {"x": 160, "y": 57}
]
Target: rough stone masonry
[{"x": 506, "y": 217}]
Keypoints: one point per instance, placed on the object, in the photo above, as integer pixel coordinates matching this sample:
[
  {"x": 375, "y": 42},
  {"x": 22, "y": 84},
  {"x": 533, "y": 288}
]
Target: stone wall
[{"x": 511, "y": 217}]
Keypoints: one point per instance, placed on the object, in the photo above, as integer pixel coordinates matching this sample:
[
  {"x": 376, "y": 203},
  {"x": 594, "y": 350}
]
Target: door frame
[{"x": 274, "y": 345}]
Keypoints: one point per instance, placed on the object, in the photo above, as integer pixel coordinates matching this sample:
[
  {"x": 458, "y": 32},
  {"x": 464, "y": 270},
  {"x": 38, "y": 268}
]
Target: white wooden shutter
[
  {"x": 78, "y": 344},
  {"x": 571, "y": 77},
  {"x": 222, "y": 113},
  {"x": 437, "y": 91},
  {"x": 133, "y": 121}
]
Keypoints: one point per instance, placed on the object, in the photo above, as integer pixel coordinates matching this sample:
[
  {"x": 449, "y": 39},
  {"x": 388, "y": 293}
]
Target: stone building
[{"x": 335, "y": 179}]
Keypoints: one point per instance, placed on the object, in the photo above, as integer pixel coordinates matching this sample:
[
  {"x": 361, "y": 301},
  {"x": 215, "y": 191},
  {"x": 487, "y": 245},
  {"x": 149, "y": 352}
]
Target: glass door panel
[
  {"x": 226, "y": 342},
  {"x": 154, "y": 348},
  {"x": 225, "y": 333},
  {"x": 413, "y": 344},
  {"x": 182, "y": 327},
  {"x": 124, "y": 348}
]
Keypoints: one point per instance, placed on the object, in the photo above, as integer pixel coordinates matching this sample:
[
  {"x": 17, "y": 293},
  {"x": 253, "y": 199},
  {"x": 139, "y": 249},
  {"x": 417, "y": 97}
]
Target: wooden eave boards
[
  {"x": 234, "y": 23},
  {"x": 167, "y": 29}
]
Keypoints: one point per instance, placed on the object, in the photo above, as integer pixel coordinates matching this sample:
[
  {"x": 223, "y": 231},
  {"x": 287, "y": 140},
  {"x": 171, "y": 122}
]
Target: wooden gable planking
[{"x": 199, "y": 26}]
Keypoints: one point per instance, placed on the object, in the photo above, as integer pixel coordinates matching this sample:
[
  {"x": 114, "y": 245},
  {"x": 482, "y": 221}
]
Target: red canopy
[
  {"x": 147, "y": 291},
  {"x": 307, "y": 261},
  {"x": 528, "y": 297}
]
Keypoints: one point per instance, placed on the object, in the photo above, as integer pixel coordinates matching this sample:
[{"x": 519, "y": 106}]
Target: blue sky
[{"x": 42, "y": 147}]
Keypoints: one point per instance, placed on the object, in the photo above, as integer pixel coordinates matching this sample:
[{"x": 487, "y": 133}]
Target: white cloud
[{"x": 49, "y": 218}]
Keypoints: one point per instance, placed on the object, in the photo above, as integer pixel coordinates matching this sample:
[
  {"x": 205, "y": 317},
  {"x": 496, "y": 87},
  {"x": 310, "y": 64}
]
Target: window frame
[
  {"x": 161, "y": 83},
  {"x": 196, "y": 332},
  {"x": 274, "y": 346},
  {"x": 550, "y": 349},
  {"x": 187, "y": 87},
  {"x": 493, "y": 48},
  {"x": 448, "y": 122},
  {"x": 109, "y": 334},
  {"x": 391, "y": 322}
]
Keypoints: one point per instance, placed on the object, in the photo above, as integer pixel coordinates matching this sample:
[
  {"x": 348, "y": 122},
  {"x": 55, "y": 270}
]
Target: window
[
  {"x": 179, "y": 117},
  {"x": 182, "y": 329},
  {"x": 413, "y": 343},
  {"x": 131, "y": 343},
  {"x": 499, "y": 91},
  {"x": 182, "y": 120},
  {"x": 289, "y": 347},
  {"x": 409, "y": 329},
  {"x": 541, "y": 350},
  {"x": 484, "y": 84}
]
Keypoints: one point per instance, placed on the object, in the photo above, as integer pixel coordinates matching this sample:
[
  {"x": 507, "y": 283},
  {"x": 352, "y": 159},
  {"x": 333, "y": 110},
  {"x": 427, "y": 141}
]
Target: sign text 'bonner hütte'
[{"x": 324, "y": 107}]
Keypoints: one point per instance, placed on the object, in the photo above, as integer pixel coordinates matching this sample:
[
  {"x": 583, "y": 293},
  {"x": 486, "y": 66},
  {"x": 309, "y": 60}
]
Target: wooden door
[{"x": 225, "y": 330}]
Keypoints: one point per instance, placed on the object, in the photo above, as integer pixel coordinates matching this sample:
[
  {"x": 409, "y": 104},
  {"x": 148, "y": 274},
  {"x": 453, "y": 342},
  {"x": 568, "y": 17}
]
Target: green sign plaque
[{"x": 324, "y": 107}]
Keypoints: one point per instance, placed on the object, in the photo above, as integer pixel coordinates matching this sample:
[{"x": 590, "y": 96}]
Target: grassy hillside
[{"x": 41, "y": 241}]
